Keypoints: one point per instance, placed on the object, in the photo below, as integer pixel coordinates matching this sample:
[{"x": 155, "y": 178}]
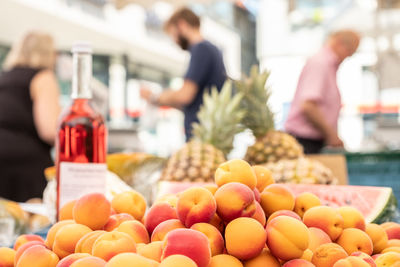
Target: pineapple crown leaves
[
  {"x": 219, "y": 118},
  {"x": 259, "y": 117}
]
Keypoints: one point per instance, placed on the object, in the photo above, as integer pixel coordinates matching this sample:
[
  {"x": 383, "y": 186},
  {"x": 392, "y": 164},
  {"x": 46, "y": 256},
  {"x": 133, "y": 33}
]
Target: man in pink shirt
[{"x": 315, "y": 109}]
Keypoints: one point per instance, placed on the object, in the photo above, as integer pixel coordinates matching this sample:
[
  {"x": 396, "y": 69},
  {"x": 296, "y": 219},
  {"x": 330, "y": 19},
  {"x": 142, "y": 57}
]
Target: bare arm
[
  {"x": 46, "y": 108},
  {"x": 312, "y": 111},
  {"x": 176, "y": 99}
]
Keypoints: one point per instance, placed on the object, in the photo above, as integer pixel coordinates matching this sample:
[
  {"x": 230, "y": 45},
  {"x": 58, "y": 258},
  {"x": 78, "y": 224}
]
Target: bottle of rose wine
[{"x": 81, "y": 140}]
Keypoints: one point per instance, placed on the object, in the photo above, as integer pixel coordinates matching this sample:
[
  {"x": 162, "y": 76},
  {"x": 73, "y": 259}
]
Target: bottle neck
[{"x": 82, "y": 74}]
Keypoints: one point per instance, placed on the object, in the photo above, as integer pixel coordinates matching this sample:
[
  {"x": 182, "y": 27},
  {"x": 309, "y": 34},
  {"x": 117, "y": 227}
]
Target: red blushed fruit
[
  {"x": 189, "y": 243},
  {"x": 196, "y": 205},
  {"x": 115, "y": 220},
  {"x": 298, "y": 263},
  {"x": 22, "y": 239},
  {"x": 157, "y": 214},
  {"x": 67, "y": 261},
  {"x": 259, "y": 215},
  {"x": 392, "y": 229},
  {"x": 164, "y": 228},
  {"x": 367, "y": 258},
  {"x": 283, "y": 213},
  {"x": 257, "y": 195},
  {"x": 234, "y": 200},
  {"x": 24, "y": 247}
]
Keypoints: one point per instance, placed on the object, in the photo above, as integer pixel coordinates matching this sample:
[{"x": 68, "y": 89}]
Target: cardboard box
[{"x": 335, "y": 162}]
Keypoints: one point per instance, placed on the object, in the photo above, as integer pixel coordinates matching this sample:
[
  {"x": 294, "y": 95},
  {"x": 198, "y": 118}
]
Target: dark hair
[{"x": 184, "y": 14}]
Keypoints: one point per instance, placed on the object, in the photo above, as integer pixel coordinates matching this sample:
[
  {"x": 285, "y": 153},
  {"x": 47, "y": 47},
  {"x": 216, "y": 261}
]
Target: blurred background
[{"x": 131, "y": 50}]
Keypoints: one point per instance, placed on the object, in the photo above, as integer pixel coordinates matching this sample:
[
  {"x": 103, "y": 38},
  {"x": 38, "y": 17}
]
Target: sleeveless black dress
[{"x": 23, "y": 155}]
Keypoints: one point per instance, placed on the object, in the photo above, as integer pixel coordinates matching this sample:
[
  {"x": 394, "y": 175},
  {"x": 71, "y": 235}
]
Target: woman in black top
[{"x": 29, "y": 108}]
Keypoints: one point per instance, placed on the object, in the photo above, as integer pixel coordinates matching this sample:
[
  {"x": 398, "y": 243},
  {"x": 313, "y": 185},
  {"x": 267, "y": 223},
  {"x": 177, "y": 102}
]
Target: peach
[
  {"x": 391, "y": 259},
  {"x": 39, "y": 255},
  {"x": 67, "y": 261},
  {"x": 195, "y": 205},
  {"x": 234, "y": 200},
  {"x": 151, "y": 251},
  {"x": 113, "y": 243},
  {"x": 7, "y": 257},
  {"x": 212, "y": 188},
  {"x": 245, "y": 238},
  {"x": 392, "y": 230},
  {"x": 85, "y": 244},
  {"x": 264, "y": 177},
  {"x": 136, "y": 230},
  {"x": 378, "y": 237},
  {"x": 23, "y": 239},
  {"x": 325, "y": 218},
  {"x": 65, "y": 212},
  {"x": 327, "y": 255},
  {"x": 283, "y": 213},
  {"x": 304, "y": 202},
  {"x": 236, "y": 170},
  {"x": 157, "y": 214},
  {"x": 224, "y": 260},
  {"x": 276, "y": 197},
  {"x": 131, "y": 259},
  {"x": 217, "y": 223},
  {"x": 289, "y": 233},
  {"x": 92, "y": 210},
  {"x": 67, "y": 237},
  {"x": 115, "y": 220},
  {"x": 89, "y": 262},
  {"x": 265, "y": 258},
  {"x": 213, "y": 235},
  {"x": 353, "y": 240},
  {"x": 259, "y": 215},
  {"x": 351, "y": 261},
  {"x": 130, "y": 202},
  {"x": 164, "y": 228},
  {"x": 393, "y": 243},
  {"x": 298, "y": 263},
  {"x": 24, "y": 247},
  {"x": 365, "y": 257},
  {"x": 352, "y": 218},
  {"x": 391, "y": 249},
  {"x": 51, "y": 234},
  {"x": 307, "y": 255},
  {"x": 177, "y": 261},
  {"x": 317, "y": 238},
  {"x": 190, "y": 243}
]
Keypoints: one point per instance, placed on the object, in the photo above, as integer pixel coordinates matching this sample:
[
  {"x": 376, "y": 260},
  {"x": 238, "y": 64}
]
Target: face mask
[{"x": 183, "y": 42}]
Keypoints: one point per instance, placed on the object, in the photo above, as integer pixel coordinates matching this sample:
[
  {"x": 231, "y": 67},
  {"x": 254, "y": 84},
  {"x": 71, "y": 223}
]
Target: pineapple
[
  {"x": 219, "y": 121},
  {"x": 270, "y": 145}
]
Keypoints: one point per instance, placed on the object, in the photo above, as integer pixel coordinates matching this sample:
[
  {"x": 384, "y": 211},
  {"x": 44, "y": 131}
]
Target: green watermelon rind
[{"x": 388, "y": 209}]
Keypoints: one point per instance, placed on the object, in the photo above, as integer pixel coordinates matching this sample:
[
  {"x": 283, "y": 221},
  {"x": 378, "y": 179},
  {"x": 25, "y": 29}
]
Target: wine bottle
[{"x": 81, "y": 137}]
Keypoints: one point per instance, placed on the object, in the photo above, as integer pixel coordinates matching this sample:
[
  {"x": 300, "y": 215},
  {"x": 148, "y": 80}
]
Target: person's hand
[
  {"x": 334, "y": 141},
  {"x": 146, "y": 94}
]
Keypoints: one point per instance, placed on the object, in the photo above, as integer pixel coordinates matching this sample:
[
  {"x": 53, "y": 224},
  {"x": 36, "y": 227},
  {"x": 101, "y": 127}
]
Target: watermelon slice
[{"x": 378, "y": 204}]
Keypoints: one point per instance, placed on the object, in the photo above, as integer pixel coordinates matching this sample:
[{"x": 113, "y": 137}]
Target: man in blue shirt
[{"x": 206, "y": 68}]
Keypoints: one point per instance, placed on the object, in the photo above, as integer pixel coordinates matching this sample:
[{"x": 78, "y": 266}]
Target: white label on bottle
[{"x": 78, "y": 179}]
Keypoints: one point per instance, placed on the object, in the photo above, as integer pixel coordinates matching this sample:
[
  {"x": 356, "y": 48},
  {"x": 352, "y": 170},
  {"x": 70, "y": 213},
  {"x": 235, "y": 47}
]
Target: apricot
[
  {"x": 234, "y": 200},
  {"x": 39, "y": 255},
  {"x": 283, "y": 213},
  {"x": 65, "y": 212},
  {"x": 276, "y": 197},
  {"x": 136, "y": 230},
  {"x": 116, "y": 219},
  {"x": 157, "y": 214},
  {"x": 85, "y": 244},
  {"x": 217, "y": 222},
  {"x": 391, "y": 249},
  {"x": 151, "y": 251},
  {"x": 23, "y": 239},
  {"x": 224, "y": 260},
  {"x": 327, "y": 255},
  {"x": 259, "y": 215},
  {"x": 353, "y": 240},
  {"x": 317, "y": 238},
  {"x": 178, "y": 261},
  {"x": 365, "y": 257},
  {"x": 393, "y": 243},
  {"x": 24, "y": 247},
  {"x": 51, "y": 234},
  {"x": 130, "y": 202},
  {"x": 67, "y": 237},
  {"x": 7, "y": 257},
  {"x": 164, "y": 228},
  {"x": 325, "y": 218},
  {"x": 298, "y": 263},
  {"x": 378, "y": 237},
  {"x": 289, "y": 233},
  {"x": 195, "y": 205},
  {"x": 131, "y": 259},
  {"x": 92, "y": 210},
  {"x": 265, "y": 258},
  {"x": 213, "y": 235},
  {"x": 304, "y": 202},
  {"x": 236, "y": 170},
  {"x": 112, "y": 243},
  {"x": 391, "y": 259},
  {"x": 351, "y": 261},
  {"x": 264, "y": 177},
  {"x": 212, "y": 188},
  {"x": 245, "y": 238},
  {"x": 392, "y": 229},
  {"x": 190, "y": 243},
  {"x": 89, "y": 262},
  {"x": 67, "y": 261},
  {"x": 352, "y": 218},
  {"x": 307, "y": 255}
]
